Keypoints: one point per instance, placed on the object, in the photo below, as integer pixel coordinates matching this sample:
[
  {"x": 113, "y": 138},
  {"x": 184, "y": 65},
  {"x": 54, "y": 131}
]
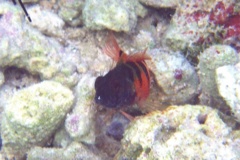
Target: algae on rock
[
  {"x": 80, "y": 124},
  {"x": 228, "y": 83},
  {"x": 70, "y": 11},
  {"x": 117, "y": 15},
  {"x": 209, "y": 60},
  {"x": 73, "y": 151},
  {"x": 1, "y": 78},
  {"x": 180, "y": 132},
  {"x": 161, "y": 3},
  {"x": 24, "y": 47},
  {"x": 175, "y": 76},
  {"x": 32, "y": 115},
  {"x": 45, "y": 21}
]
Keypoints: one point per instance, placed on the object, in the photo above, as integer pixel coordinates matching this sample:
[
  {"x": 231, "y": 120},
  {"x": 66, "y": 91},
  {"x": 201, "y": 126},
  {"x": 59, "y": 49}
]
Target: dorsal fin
[
  {"x": 111, "y": 48},
  {"x": 140, "y": 56}
]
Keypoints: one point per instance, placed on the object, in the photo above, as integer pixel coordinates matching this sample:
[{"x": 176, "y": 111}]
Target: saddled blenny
[
  {"x": 128, "y": 82},
  {"x": 24, "y": 9}
]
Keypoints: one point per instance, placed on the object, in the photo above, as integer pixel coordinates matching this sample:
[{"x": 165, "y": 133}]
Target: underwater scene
[{"x": 119, "y": 80}]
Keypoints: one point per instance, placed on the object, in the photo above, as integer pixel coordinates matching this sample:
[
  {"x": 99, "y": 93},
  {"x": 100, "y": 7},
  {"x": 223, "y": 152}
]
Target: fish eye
[{"x": 98, "y": 99}]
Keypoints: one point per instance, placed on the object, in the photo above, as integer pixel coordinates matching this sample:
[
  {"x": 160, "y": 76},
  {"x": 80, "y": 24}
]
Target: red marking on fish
[{"x": 128, "y": 82}]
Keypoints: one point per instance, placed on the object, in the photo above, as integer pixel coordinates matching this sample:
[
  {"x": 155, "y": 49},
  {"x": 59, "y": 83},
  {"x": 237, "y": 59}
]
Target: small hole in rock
[
  {"x": 148, "y": 150},
  {"x": 154, "y": 22},
  {"x": 116, "y": 130},
  {"x": 202, "y": 118},
  {"x": 19, "y": 78}
]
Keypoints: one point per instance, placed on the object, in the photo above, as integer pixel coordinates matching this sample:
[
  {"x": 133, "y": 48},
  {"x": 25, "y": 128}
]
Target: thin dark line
[
  {"x": 143, "y": 66},
  {"x": 14, "y": 2},
  {"x": 136, "y": 69},
  {"x": 120, "y": 53},
  {"x": 24, "y": 9}
]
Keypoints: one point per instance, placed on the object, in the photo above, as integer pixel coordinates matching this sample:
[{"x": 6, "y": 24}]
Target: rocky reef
[
  {"x": 73, "y": 151},
  {"x": 80, "y": 123},
  {"x": 111, "y": 15},
  {"x": 32, "y": 115},
  {"x": 229, "y": 74},
  {"x": 48, "y": 69},
  {"x": 177, "y": 133}
]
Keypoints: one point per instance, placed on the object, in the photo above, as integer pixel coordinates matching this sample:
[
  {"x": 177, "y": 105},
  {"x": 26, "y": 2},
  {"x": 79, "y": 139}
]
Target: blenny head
[{"x": 115, "y": 89}]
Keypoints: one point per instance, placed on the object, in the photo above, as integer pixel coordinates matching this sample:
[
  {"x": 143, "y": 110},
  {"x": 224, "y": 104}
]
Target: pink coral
[
  {"x": 232, "y": 26},
  {"x": 223, "y": 16},
  {"x": 220, "y": 13}
]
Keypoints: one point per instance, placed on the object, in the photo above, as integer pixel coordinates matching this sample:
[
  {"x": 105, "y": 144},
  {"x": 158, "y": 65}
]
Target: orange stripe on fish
[{"x": 128, "y": 82}]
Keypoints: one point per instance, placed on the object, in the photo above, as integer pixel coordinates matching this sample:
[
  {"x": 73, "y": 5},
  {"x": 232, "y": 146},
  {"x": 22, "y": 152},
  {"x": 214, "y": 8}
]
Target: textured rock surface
[
  {"x": 212, "y": 58},
  {"x": 70, "y": 11},
  {"x": 42, "y": 18},
  {"x": 175, "y": 76},
  {"x": 198, "y": 24},
  {"x": 80, "y": 124},
  {"x": 73, "y": 151},
  {"x": 161, "y": 3},
  {"x": 228, "y": 83},
  {"x": 144, "y": 40},
  {"x": 118, "y": 15},
  {"x": 29, "y": 1},
  {"x": 180, "y": 132},
  {"x": 24, "y": 47},
  {"x": 1, "y": 78},
  {"x": 32, "y": 115},
  {"x": 47, "y": 49}
]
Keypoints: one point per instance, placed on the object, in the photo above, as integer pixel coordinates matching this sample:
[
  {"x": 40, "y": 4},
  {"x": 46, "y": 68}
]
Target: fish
[
  {"x": 128, "y": 82},
  {"x": 24, "y": 9}
]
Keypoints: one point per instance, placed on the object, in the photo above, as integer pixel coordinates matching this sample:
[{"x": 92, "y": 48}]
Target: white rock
[
  {"x": 228, "y": 83},
  {"x": 45, "y": 21}
]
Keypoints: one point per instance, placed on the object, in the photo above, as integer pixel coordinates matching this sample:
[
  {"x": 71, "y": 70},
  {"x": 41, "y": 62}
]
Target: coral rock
[
  {"x": 212, "y": 58},
  {"x": 228, "y": 83},
  {"x": 80, "y": 124},
  {"x": 32, "y": 115},
  {"x": 24, "y": 47},
  {"x": 161, "y": 3},
  {"x": 180, "y": 132},
  {"x": 46, "y": 21},
  {"x": 175, "y": 76},
  {"x": 73, "y": 151},
  {"x": 118, "y": 15},
  {"x": 1, "y": 78},
  {"x": 70, "y": 11}
]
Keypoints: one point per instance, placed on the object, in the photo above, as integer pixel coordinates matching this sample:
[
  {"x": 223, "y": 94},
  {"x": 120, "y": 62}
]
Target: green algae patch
[
  {"x": 119, "y": 15},
  {"x": 32, "y": 115}
]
